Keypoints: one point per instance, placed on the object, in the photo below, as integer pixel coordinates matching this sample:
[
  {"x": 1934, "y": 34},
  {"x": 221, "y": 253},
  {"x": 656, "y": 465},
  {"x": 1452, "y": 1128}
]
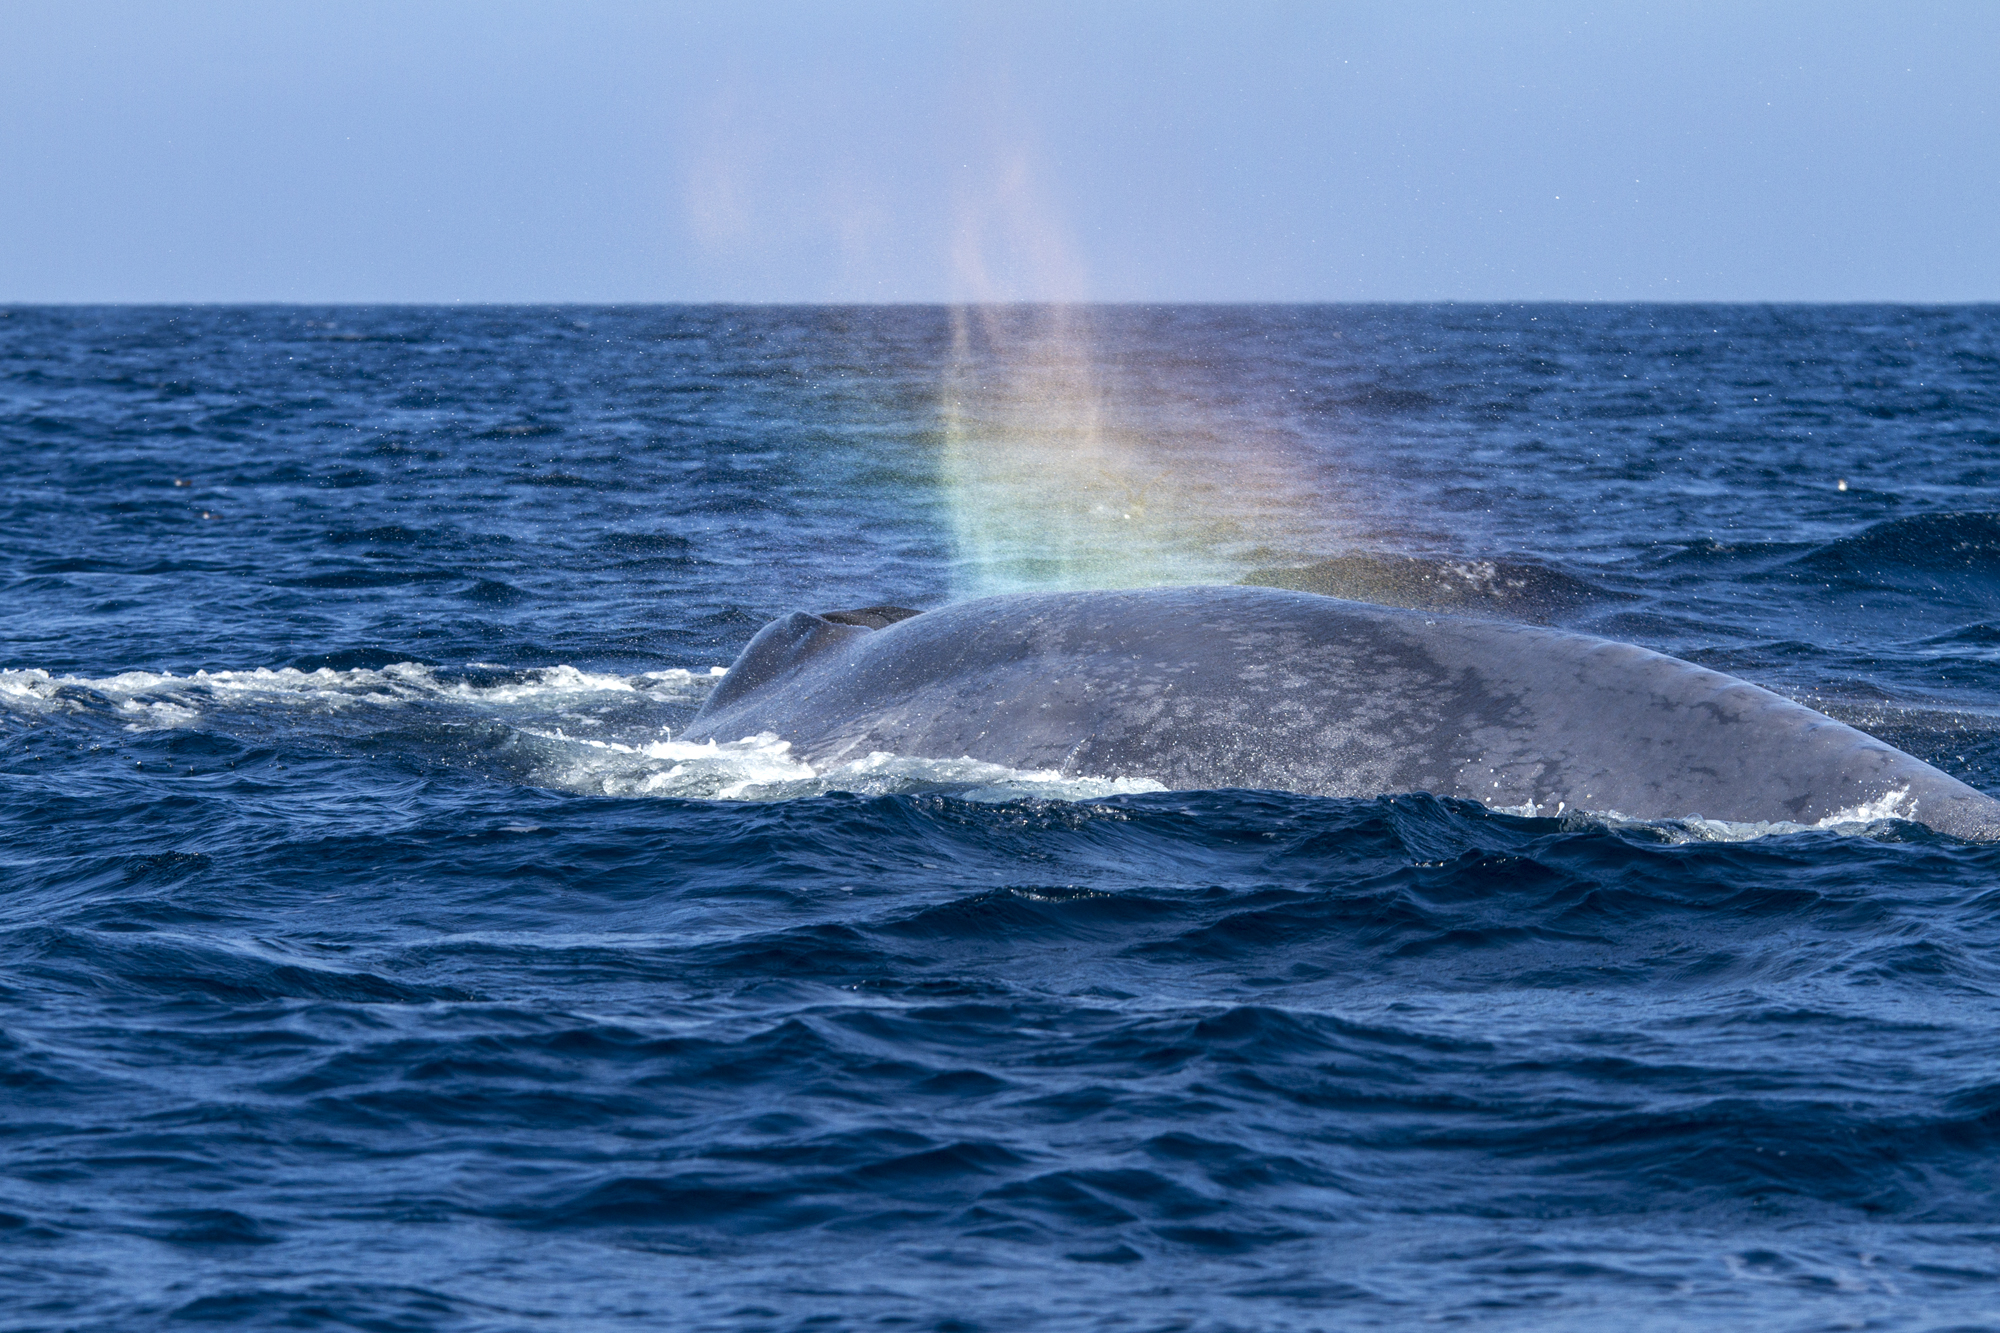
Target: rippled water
[{"x": 373, "y": 956}]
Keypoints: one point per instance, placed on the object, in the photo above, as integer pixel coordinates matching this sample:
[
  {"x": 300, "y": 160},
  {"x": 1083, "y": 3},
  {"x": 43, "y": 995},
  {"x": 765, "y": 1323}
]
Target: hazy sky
[{"x": 601, "y": 151}]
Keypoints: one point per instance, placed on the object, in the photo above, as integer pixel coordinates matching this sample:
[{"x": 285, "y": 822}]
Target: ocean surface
[{"x": 372, "y": 955}]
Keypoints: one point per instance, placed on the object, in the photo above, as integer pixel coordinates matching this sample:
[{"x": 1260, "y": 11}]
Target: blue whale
[{"x": 1204, "y": 687}]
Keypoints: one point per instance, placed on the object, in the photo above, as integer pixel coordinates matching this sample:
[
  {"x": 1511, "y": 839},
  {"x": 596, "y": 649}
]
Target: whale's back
[{"x": 1264, "y": 688}]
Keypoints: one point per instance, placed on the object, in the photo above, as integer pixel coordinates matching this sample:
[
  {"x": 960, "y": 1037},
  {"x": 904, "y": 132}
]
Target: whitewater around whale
[{"x": 1211, "y": 687}]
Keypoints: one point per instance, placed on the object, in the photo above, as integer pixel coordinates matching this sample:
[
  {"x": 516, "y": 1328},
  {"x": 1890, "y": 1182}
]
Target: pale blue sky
[{"x": 594, "y": 150}]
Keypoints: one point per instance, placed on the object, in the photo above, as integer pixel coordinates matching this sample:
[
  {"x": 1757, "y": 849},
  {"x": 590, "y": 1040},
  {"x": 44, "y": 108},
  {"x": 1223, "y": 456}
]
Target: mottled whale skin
[{"x": 1200, "y": 687}]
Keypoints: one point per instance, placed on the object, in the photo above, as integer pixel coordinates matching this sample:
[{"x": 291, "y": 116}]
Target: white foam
[
  {"x": 763, "y": 768},
  {"x": 1869, "y": 819},
  {"x": 155, "y": 700},
  {"x": 627, "y": 752},
  {"x": 734, "y": 770},
  {"x": 1866, "y": 819},
  {"x": 1896, "y": 804}
]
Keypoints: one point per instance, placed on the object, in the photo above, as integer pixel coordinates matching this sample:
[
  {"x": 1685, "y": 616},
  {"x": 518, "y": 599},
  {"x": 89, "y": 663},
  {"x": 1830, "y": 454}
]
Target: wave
[
  {"x": 1917, "y": 553},
  {"x": 1955, "y": 545}
]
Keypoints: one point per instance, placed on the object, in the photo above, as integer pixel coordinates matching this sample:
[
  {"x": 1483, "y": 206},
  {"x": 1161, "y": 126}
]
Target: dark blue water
[{"x": 372, "y": 956}]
